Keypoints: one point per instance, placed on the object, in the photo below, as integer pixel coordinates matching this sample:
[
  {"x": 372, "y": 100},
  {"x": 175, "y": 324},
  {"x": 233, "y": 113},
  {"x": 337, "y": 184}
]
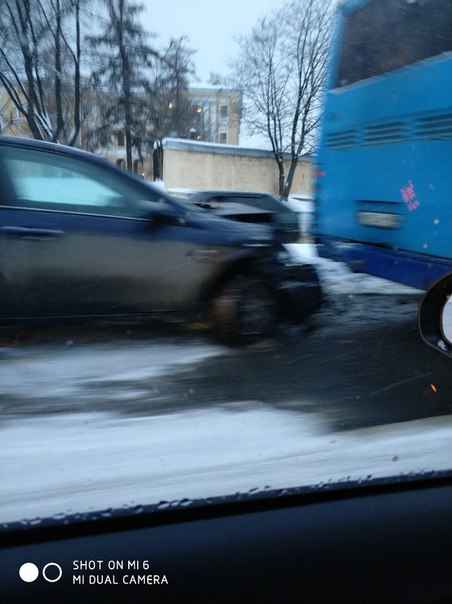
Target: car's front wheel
[{"x": 244, "y": 310}]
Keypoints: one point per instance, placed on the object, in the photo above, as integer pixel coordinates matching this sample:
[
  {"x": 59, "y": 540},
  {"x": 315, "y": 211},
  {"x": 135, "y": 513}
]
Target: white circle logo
[
  {"x": 28, "y": 572},
  {"x": 59, "y": 572}
]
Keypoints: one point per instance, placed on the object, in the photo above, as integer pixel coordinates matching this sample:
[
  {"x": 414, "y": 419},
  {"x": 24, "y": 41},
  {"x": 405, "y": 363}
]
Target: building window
[
  {"x": 224, "y": 112},
  {"x": 223, "y": 138},
  {"x": 120, "y": 137},
  {"x": 138, "y": 167},
  {"x": 14, "y": 115}
]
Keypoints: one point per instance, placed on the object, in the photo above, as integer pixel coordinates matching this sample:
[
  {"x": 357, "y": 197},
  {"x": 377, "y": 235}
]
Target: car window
[{"x": 50, "y": 181}]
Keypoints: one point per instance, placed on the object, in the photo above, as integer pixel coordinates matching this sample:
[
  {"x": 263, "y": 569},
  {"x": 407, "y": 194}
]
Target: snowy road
[
  {"x": 78, "y": 463},
  {"x": 91, "y": 424}
]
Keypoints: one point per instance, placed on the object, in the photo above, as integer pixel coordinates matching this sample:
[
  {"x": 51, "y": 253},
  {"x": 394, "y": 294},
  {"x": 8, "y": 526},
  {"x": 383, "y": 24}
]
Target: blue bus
[{"x": 384, "y": 178}]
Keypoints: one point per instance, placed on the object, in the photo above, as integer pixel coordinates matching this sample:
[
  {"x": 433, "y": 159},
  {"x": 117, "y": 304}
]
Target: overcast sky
[{"x": 209, "y": 24}]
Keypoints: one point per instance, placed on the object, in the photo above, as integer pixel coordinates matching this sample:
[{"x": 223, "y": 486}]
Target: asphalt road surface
[
  {"x": 360, "y": 362},
  {"x": 116, "y": 417}
]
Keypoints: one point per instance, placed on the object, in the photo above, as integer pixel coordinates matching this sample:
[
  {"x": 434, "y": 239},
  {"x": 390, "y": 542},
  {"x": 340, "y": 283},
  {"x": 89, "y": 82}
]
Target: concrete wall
[{"x": 196, "y": 165}]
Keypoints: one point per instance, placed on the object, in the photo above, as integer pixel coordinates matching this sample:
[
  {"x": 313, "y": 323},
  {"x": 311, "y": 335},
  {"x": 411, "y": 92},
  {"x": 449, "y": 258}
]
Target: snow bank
[{"x": 337, "y": 278}]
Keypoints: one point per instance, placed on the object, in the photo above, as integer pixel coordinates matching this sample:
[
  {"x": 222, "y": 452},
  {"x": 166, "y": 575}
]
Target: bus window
[{"x": 385, "y": 35}]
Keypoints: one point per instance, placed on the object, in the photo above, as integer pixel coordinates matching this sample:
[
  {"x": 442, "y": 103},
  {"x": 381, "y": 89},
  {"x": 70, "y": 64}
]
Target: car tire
[{"x": 244, "y": 311}]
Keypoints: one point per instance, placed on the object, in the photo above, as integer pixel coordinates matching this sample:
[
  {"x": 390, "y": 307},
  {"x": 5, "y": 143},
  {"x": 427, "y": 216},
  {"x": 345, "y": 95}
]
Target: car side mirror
[
  {"x": 160, "y": 212},
  {"x": 435, "y": 316}
]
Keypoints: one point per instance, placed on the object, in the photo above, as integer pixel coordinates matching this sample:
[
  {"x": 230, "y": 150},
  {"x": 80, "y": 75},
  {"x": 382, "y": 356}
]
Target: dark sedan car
[
  {"x": 259, "y": 208},
  {"x": 81, "y": 238}
]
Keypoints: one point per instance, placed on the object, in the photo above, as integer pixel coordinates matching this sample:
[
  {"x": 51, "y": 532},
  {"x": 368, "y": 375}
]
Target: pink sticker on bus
[{"x": 409, "y": 196}]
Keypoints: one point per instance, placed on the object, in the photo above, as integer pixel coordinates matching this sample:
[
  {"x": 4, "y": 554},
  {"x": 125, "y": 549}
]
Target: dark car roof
[
  {"x": 244, "y": 194},
  {"x": 22, "y": 141},
  {"x": 58, "y": 149},
  {"x": 266, "y": 202}
]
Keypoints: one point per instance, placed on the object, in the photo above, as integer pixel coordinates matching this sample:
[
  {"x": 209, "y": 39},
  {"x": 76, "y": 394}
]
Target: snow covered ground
[
  {"x": 77, "y": 463},
  {"x": 48, "y": 373},
  {"x": 69, "y": 463},
  {"x": 337, "y": 278}
]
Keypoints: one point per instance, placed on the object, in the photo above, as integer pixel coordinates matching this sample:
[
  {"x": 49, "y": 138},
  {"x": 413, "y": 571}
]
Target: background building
[
  {"x": 213, "y": 115},
  {"x": 217, "y": 113},
  {"x": 12, "y": 122}
]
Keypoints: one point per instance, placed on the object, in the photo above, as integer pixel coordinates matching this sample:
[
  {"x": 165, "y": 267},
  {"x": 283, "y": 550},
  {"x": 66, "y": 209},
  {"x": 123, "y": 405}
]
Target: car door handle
[{"x": 31, "y": 233}]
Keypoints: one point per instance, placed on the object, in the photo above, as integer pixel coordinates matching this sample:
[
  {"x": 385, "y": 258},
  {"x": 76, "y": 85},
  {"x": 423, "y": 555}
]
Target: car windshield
[{"x": 154, "y": 358}]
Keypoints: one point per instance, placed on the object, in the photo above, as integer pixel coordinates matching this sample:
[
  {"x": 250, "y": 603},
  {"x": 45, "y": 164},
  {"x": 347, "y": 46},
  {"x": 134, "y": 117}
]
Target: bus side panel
[{"x": 385, "y": 175}]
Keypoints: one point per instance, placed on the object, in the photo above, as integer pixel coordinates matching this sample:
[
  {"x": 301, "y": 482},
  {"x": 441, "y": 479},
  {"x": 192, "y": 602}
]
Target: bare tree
[
  {"x": 280, "y": 68},
  {"x": 122, "y": 57},
  {"x": 40, "y": 56},
  {"x": 169, "y": 110}
]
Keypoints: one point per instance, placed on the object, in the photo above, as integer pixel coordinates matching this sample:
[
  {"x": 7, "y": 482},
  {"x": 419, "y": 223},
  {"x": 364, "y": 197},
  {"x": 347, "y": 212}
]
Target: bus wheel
[{"x": 243, "y": 311}]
